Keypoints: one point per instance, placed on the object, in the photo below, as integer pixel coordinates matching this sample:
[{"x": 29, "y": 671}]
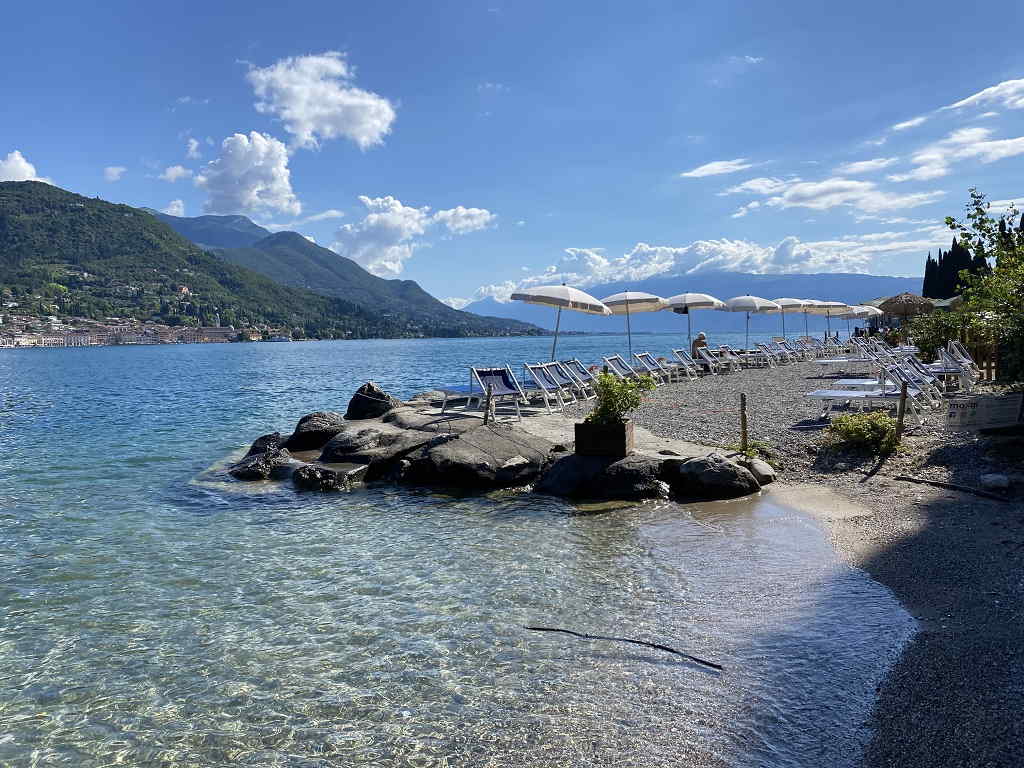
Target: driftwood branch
[
  {"x": 656, "y": 646},
  {"x": 951, "y": 487}
]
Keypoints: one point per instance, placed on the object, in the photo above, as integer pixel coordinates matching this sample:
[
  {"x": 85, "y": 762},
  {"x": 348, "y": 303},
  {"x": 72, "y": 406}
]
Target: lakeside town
[{"x": 28, "y": 331}]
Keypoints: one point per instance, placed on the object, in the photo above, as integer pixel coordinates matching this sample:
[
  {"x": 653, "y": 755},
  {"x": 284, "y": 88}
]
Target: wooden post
[
  {"x": 743, "y": 422},
  {"x": 901, "y": 411},
  {"x": 487, "y": 405}
]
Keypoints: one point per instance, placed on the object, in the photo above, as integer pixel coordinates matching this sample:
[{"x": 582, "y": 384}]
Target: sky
[{"x": 476, "y": 147}]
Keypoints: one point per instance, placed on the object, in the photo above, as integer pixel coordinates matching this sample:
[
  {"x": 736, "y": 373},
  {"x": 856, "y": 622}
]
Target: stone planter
[{"x": 604, "y": 439}]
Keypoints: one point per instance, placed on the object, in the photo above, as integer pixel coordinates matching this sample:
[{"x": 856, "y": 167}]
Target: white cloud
[
  {"x": 743, "y": 210},
  {"x": 174, "y": 172},
  {"x": 988, "y": 114},
  {"x": 175, "y": 208},
  {"x": 386, "y": 238},
  {"x": 487, "y": 87},
  {"x": 1008, "y": 94},
  {"x": 15, "y": 167},
  {"x": 759, "y": 186},
  {"x": 113, "y": 173},
  {"x": 585, "y": 267},
  {"x": 1002, "y": 206},
  {"x": 391, "y": 232},
  {"x": 330, "y": 213},
  {"x": 717, "y": 167},
  {"x": 460, "y": 220},
  {"x": 251, "y": 175},
  {"x": 861, "y": 195},
  {"x": 192, "y": 100},
  {"x": 911, "y": 123},
  {"x": 747, "y": 59},
  {"x": 865, "y": 166},
  {"x": 192, "y": 149},
  {"x": 933, "y": 161},
  {"x": 521, "y": 223},
  {"x": 315, "y": 98},
  {"x": 456, "y": 303}
]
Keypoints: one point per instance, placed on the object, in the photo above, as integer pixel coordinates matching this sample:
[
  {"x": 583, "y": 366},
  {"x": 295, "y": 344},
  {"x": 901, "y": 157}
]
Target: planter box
[{"x": 604, "y": 439}]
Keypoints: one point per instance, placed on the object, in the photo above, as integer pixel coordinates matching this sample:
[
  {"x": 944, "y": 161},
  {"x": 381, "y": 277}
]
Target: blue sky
[{"x": 477, "y": 146}]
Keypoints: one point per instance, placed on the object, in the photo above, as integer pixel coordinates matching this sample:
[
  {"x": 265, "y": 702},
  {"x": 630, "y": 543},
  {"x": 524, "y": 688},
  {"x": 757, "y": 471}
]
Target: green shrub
[
  {"x": 617, "y": 397},
  {"x": 873, "y": 433}
]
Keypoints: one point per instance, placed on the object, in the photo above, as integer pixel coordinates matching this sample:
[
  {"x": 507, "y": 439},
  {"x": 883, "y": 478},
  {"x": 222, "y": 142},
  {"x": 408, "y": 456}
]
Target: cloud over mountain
[{"x": 250, "y": 175}]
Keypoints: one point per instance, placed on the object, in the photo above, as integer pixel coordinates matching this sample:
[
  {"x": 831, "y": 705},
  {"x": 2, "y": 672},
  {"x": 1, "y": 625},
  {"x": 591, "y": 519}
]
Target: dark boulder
[
  {"x": 313, "y": 477},
  {"x": 604, "y": 478},
  {"x": 489, "y": 456},
  {"x": 370, "y": 402},
  {"x": 349, "y": 441},
  {"x": 314, "y": 430},
  {"x": 261, "y": 466},
  {"x": 265, "y": 443},
  {"x": 708, "y": 477}
]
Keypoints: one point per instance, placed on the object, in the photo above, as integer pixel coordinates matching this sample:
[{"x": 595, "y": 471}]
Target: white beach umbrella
[
  {"x": 750, "y": 304},
  {"x": 858, "y": 312},
  {"x": 561, "y": 297},
  {"x": 788, "y": 304},
  {"x": 826, "y": 308},
  {"x": 685, "y": 303},
  {"x": 631, "y": 302}
]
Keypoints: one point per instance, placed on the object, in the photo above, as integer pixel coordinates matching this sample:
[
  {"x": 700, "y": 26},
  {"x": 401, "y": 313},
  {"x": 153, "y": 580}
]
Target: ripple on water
[{"x": 151, "y": 616}]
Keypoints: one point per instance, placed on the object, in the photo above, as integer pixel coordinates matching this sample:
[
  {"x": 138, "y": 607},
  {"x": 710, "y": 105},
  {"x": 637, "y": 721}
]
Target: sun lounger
[
  {"x": 501, "y": 382},
  {"x": 547, "y": 386},
  {"x": 717, "y": 363},
  {"x": 619, "y": 367},
  {"x": 582, "y": 378},
  {"x": 646, "y": 363},
  {"x": 688, "y": 364}
]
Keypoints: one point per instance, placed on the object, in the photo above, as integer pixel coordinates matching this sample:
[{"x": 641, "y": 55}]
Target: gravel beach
[{"x": 954, "y": 559}]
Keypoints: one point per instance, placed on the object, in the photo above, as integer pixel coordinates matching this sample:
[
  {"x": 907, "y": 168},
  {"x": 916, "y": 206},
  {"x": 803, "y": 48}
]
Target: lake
[{"x": 152, "y": 613}]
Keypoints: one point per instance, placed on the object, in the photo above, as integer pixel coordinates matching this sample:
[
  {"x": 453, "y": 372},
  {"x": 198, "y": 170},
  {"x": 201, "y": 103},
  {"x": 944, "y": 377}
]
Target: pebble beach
[{"x": 954, "y": 559}]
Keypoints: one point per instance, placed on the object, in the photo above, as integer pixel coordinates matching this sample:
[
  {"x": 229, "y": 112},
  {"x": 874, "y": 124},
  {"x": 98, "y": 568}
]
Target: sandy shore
[{"x": 955, "y": 560}]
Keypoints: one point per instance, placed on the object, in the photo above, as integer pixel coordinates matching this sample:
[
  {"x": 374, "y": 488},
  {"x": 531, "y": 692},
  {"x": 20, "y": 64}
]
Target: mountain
[
  {"x": 213, "y": 232},
  {"x": 64, "y": 254},
  {"x": 291, "y": 259},
  {"x": 849, "y": 288}
]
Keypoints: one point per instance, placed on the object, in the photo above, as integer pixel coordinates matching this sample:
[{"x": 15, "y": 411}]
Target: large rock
[
  {"x": 379, "y": 449},
  {"x": 314, "y": 477},
  {"x": 604, "y": 478},
  {"x": 314, "y": 430},
  {"x": 370, "y": 402},
  {"x": 489, "y": 456},
  {"x": 410, "y": 418},
  {"x": 265, "y": 443},
  {"x": 762, "y": 471},
  {"x": 708, "y": 477},
  {"x": 261, "y": 466}
]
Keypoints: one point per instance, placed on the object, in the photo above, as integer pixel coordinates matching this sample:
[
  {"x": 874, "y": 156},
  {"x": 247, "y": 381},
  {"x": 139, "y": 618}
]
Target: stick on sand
[{"x": 710, "y": 664}]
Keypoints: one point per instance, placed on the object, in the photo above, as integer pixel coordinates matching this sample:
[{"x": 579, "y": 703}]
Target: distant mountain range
[
  {"x": 849, "y": 288},
  {"x": 290, "y": 259},
  {"x": 68, "y": 255}
]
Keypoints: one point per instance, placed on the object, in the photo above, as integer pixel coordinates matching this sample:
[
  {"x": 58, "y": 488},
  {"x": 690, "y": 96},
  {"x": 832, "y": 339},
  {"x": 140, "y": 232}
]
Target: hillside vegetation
[{"x": 64, "y": 254}]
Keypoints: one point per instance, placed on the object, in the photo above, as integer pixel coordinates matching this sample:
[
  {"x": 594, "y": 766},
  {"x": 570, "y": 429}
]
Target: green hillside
[
  {"x": 68, "y": 255},
  {"x": 290, "y": 259},
  {"x": 210, "y": 232}
]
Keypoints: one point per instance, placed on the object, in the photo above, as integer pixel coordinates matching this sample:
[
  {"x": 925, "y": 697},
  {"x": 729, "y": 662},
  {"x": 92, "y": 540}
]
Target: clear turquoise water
[{"x": 151, "y": 614}]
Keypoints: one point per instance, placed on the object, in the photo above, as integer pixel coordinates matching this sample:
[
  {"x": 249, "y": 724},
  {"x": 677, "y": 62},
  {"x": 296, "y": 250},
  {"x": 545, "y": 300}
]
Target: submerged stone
[
  {"x": 315, "y": 477},
  {"x": 604, "y": 478},
  {"x": 261, "y": 466}
]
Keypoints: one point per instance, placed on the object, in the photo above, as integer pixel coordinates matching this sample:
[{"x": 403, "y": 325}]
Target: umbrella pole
[
  {"x": 746, "y": 344},
  {"x": 554, "y": 342},
  {"x": 689, "y": 332},
  {"x": 783, "y": 313},
  {"x": 806, "y": 332},
  {"x": 629, "y": 332},
  {"x": 828, "y": 322}
]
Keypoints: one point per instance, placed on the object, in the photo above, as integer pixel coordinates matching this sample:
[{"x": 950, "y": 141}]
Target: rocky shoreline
[{"x": 382, "y": 439}]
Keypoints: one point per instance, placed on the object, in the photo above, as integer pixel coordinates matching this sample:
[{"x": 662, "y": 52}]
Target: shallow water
[{"x": 151, "y": 615}]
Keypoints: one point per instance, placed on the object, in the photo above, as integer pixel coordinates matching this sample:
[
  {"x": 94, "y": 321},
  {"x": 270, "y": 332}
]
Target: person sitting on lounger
[{"x": 700, "y": 341}]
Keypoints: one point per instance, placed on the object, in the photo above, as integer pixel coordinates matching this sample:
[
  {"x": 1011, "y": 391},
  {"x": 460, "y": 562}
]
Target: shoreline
[{"x": 954, "y": 560}]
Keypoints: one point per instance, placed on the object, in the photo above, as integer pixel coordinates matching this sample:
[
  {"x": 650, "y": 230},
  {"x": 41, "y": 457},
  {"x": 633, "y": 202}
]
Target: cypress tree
[{"x": 928, "y": 288}]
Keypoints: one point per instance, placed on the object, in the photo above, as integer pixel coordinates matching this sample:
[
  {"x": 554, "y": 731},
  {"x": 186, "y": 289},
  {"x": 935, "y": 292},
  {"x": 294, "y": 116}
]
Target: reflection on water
[{"x": 150, "y": 618}]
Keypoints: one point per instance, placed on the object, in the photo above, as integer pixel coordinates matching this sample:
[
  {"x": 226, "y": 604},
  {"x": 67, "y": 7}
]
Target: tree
[{"x": 997, "y": 295}]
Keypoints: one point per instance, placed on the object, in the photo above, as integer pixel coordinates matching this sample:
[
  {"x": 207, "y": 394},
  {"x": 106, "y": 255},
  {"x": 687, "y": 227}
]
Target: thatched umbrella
[{"x": 906, "y": 305}]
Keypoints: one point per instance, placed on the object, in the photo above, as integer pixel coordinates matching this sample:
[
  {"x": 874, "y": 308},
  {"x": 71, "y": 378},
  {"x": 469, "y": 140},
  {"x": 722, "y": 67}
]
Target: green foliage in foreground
[
  {"x": 758, "y": 449},
  {"x": 616, "y": 398},
  {"x": 993, "y": 301},
  {"x": 872, "y": 433},
  {"x": 931, "y": 332}
]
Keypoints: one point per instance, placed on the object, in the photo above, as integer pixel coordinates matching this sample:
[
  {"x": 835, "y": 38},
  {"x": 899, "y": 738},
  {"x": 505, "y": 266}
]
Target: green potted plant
[{"x": 607, "y": 430}]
